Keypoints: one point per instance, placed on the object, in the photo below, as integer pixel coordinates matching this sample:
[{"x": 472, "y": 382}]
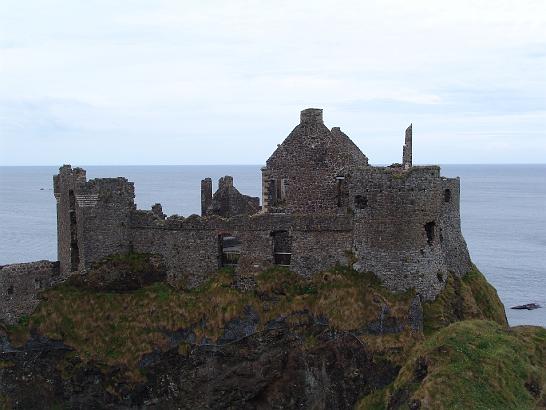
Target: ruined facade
[{"x": 322, "y": 205}]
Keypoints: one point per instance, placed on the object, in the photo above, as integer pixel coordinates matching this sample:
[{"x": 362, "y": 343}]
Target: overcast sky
[{"x": 222, "y": 82}]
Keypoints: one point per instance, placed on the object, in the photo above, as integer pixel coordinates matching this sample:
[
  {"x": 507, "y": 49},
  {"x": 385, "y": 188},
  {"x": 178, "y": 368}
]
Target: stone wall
[
  {"x": 300, "y": 176},
  {"x": 105, "y": 219},
  {"x": 20, "y": 285},
  {"x": 227, "y": 201},
  {"x": 92, "y": 217},
  {"x": 190, "y": 246},
  {"x": 405, "y": 230},
  {"x": 320, "y": 197}
]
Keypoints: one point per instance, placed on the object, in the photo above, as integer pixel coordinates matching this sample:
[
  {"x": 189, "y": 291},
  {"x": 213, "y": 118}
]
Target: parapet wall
[{"x": 20, "y": 285}]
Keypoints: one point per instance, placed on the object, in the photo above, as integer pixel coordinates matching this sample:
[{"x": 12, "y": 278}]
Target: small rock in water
[
  {"x": 528, "y": 306},
  {"x": 41, "y": 189}
]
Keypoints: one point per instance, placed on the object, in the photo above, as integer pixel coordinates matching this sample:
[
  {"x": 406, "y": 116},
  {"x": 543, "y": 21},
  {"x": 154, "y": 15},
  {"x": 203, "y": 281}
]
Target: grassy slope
[
  {"x": 117, "y": 329},
  {"x": 471, "y": 297},
  {"x": 472, "y": 365}
]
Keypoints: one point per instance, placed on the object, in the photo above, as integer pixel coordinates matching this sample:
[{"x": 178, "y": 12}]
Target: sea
[{"x": 503, "y": 211}]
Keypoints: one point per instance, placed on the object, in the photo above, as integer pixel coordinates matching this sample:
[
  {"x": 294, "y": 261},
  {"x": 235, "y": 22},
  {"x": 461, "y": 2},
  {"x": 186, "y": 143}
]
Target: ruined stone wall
[
  {"x": 190, "y": 246},
  {"x": 68, "y": 228},
  {"x": 405, "y": 230},
  {"x": 227, "y": 201},
  {"x": 407, "y": 155},
  {"x": 403, "y": 224},
  {"x": 300, "y": 176},
  {"x": 206, "y": 195},
  {"x": 20, "y": 285},
  {"x": 105, "y": 220}
]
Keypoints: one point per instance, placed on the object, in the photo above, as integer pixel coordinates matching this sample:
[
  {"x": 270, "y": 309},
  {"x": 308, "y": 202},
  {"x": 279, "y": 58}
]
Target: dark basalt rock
[{"x": 273, "y": 368}]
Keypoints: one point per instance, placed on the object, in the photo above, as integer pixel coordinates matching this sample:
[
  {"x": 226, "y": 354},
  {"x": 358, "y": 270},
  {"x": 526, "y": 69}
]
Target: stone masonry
[
  {"x": 20, "y": 286},
  {"x": 322, "y": 205}
]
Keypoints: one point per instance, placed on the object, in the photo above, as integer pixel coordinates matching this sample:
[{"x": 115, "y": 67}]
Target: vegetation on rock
[
  {"x": 471, "y": 365},
  {"x": 116, "y": 330},
  {"x": 469, "y": 297}
]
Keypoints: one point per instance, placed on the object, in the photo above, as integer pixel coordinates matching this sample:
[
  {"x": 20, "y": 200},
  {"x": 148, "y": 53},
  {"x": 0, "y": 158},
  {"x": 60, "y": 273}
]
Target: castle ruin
[{"x": 322, "y": 205}]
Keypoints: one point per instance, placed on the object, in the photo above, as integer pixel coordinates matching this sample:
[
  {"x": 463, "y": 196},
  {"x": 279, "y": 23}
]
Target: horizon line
[{"x": 257, "y": 165}]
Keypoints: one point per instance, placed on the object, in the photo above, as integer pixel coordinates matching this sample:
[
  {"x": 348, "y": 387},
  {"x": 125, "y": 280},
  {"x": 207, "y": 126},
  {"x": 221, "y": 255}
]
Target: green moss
[
  {"x": 4, "y": 364},
  {"x": 471, "y": 297},
  {"x": 136, "y": 262},
  {"x": 486, "y": 297},
  {"x": 477, "y": 365}
]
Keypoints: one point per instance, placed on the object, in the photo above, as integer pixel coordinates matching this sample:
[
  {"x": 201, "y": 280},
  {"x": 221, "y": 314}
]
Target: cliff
[{"x": 335, "y": 340}]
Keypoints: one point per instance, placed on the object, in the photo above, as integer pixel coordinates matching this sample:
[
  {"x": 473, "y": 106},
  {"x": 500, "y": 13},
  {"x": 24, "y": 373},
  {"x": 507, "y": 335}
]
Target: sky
[{"x": 222, "y": 82}]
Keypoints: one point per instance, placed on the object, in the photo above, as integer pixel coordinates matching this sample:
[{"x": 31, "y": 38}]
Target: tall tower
[{"x": 406, "y": 151}]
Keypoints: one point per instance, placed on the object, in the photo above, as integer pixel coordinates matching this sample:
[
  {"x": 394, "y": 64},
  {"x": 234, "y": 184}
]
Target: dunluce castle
[{"x": 322, "y": 205}]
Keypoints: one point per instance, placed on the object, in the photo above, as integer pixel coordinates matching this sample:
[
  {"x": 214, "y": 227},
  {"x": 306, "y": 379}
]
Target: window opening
[
  {"x": 282, "y": 248},
  {"x": 229, "y": 250}
]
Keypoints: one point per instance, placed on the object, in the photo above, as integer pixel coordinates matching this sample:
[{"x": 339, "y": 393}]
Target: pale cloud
[{"x": 215, "y": 81}]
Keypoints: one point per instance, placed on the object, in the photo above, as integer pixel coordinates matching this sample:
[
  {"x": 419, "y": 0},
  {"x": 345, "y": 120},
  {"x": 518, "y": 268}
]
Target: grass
[
  {"x": 475, "y": 364},
  {"x": 117, "y": 329},
  {"x": 470, "y": 297}
]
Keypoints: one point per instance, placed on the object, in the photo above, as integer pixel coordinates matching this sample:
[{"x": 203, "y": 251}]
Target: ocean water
[{"x": 503, "y": 210}]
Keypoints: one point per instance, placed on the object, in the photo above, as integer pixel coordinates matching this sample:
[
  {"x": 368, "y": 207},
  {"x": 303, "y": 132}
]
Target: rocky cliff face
[{"x": 274, "y": 340}]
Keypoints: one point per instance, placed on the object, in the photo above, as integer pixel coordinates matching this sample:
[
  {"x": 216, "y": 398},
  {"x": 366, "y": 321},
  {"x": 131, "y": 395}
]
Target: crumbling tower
[
  {"x": 406, "y": 151},
  {"x": 93, "y": 218}
]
